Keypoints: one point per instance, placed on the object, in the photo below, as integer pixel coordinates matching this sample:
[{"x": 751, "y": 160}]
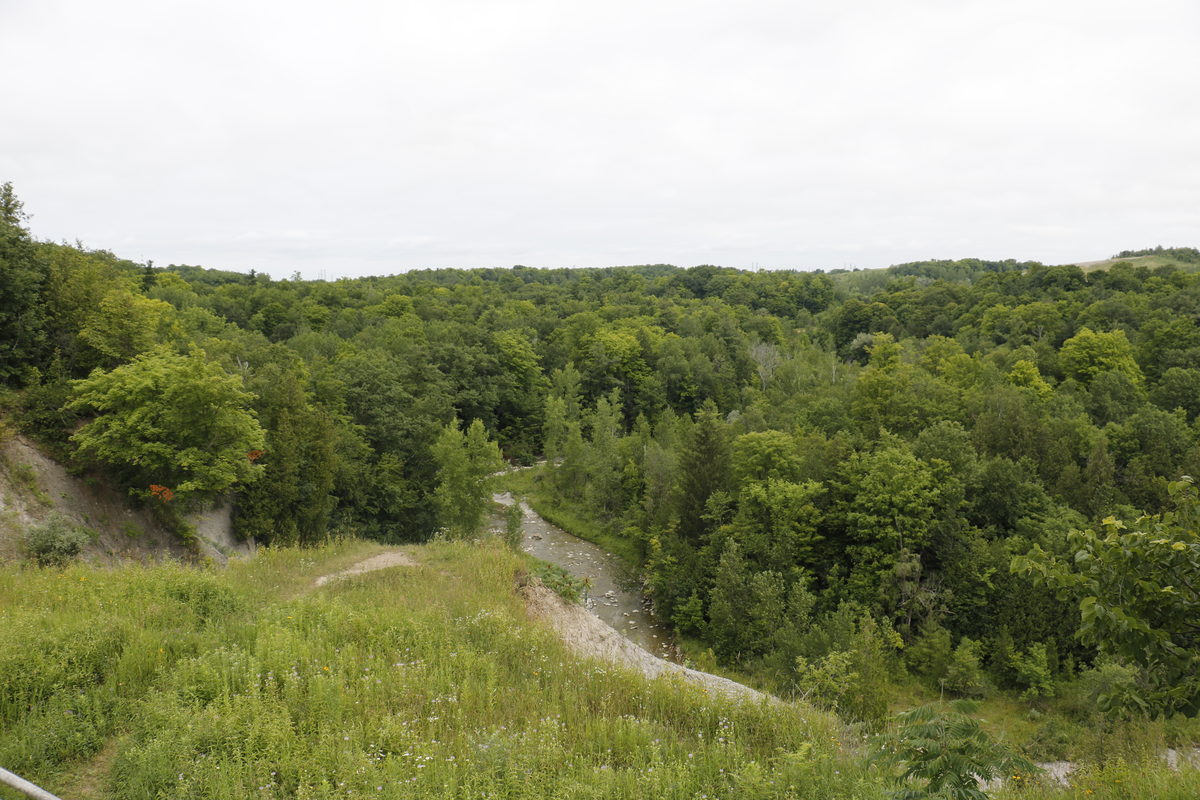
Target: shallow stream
[{"x": 614, "y": 591}]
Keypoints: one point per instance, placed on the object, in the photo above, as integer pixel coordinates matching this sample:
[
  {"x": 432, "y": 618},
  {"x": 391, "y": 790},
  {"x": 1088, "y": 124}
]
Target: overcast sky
[{"x": 354, "y": 138}]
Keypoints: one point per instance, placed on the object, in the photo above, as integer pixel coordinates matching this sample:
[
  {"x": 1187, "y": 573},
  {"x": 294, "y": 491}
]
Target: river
[{"x": 615, "y": 589}]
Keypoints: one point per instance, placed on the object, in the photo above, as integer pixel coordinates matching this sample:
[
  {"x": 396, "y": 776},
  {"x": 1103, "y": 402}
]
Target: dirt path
[
  {"x": 90, "y": 781},
  {"x": 393, "y": 558},
  {"x": 589, "y": 636}
]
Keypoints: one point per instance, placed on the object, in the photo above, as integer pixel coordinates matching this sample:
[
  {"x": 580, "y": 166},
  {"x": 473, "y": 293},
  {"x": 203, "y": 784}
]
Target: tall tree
[
  {"x": 464, "y": 462},
  {"x": 22, "y": 326},
  {"x": 170, "y": 420},
  {"x": 604, "y": 455},
  {"x": 704, "y": 469},
  {"x": 293, "y": 501}
]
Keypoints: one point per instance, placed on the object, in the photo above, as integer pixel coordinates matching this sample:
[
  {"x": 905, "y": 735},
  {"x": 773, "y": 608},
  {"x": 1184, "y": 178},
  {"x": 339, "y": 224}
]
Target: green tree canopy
[
  {"x": 464, "y": 462},
  {"x": 1138, "y": 598},
  {"x": 171, "y": 420},
  {"x": 1088, "y": 353},
  {"x": 22, "y": 334}
]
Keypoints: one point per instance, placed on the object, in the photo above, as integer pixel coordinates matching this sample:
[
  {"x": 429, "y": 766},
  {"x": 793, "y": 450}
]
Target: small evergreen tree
[
  {"x": 704, "y": 468},
  {"x": 514, "y": 525}
]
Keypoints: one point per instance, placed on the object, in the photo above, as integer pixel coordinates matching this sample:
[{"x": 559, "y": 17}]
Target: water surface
[{"x": 614, "y": 589}]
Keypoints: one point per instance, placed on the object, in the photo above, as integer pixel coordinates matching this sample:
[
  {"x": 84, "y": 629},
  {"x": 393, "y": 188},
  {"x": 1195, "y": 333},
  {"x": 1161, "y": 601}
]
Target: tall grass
[
  {"x": 413, "y": 682},
  {"x": 1113, "y": 780},
  {"x": 410, "y": 682}
]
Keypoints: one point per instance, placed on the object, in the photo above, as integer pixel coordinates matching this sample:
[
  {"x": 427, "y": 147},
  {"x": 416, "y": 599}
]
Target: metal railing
[{"x": 22, "y": 785}]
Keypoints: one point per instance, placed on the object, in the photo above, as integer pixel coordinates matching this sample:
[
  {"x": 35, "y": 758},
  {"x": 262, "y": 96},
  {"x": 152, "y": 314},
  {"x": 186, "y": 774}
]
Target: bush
[
  {"x": 940, "y": 751},
  {"x": 55, "y": 542},
  {"x": 1034, "y": 673},
  {"x": 560, "y": 581},
  {"x": 514, "y": 525},
  {"x": 930, "y": 653},
  {"x": 964, "y": 675},
  {"x": 848, "y": 663},
  {"x": 1111, "y": 687}
]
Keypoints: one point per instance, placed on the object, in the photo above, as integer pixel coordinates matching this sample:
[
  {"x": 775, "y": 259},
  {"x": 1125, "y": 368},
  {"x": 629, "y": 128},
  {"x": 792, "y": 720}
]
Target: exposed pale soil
[
  {"x": 215, "y": 536},
  {"x": 588, "y": 636},
  {"x": 392, "y": 558},
  {"x": 591, "y": 630},
  {"x": 614, "y": 589},
  {"x": 34, "y": 486}
]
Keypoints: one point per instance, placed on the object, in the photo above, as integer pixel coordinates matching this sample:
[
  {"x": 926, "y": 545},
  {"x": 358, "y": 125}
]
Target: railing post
[{"x": 22, "y": 785}]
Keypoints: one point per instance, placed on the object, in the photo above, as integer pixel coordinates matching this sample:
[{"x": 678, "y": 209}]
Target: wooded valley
[{"x": 858, "y": 488}]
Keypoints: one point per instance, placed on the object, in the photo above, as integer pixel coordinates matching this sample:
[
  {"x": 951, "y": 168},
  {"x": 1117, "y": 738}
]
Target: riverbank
[
  {"x": 613, "y": 587},
  {"x": 525, "y": 483}
]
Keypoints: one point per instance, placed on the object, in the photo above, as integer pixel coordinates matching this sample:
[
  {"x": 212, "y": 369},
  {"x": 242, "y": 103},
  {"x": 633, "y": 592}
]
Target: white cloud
[{"x": 374, "y": 137}]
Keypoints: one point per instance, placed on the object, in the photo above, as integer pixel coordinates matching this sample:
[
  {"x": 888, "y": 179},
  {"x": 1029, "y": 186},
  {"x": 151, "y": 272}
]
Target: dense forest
[{"x": 971, "y": 471}]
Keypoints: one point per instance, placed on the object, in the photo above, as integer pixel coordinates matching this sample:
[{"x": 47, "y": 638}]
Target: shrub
[
  {"x": 825, "y": 679},
  {"x": 942, "y": 752},
  {"x": 513, "y": 525},
  {"x": 1034, "y": 673},
  {"x": 560, "y": 581},
  {"x": 964, "y": 675},
  {"x": 930, "y": 653},
  {"x": 1111, "y": 686},
  {"x": 55, "y": 542},
  {"x": 848, "y": 663}
]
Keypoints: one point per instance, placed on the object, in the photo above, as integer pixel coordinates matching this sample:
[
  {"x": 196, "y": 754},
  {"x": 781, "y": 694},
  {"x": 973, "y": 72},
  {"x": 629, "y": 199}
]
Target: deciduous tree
[{"x": 173, "y": 420}]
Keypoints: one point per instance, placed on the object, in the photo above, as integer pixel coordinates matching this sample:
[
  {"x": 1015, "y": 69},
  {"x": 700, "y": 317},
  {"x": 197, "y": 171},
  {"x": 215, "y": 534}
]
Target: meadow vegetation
[{"x": 412, "y": 682}]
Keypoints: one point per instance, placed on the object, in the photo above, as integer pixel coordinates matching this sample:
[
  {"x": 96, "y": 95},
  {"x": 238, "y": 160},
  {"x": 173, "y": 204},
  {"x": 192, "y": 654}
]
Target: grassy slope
[
  {"x": 423, "y": 682},
  {"x": 1149, "y": 262},
  {"x": 169, "y": 681}
]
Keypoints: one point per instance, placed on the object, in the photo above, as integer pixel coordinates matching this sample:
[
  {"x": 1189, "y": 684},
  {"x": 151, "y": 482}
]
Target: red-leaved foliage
[{"x": 161, "y": 492}]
